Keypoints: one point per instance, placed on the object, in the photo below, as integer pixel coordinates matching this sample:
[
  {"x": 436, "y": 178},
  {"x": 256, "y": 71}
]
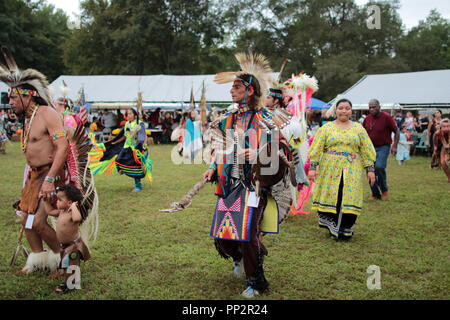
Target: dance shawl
[
  {"x": 192, "y": 140},
  {"x": 129, "y": 157}
]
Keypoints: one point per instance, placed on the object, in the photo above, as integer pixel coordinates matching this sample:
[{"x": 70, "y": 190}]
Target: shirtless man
[
  {"x": 45, "y": 145},
  {"x": 45, "y": 148}
]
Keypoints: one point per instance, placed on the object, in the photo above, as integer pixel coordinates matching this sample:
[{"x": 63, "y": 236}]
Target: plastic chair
[{"x": 422, "y": 144}]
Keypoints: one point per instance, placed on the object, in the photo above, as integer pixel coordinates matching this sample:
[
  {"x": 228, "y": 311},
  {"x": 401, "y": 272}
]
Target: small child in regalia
[{"x": 70, "y": 215}]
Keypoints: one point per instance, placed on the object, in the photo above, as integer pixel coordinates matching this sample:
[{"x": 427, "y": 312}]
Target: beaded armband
[
  {"x": 50, "y": 179},
  {"x": 213, "y": 166},
  {"x": 370, "y": 168},
  {"x": 313, "y": 165},
  {"x": 58, "y": 135}
]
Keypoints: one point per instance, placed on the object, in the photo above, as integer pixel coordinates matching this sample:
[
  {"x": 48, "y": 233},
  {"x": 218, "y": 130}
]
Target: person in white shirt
[{"x": 109, "y": 120}]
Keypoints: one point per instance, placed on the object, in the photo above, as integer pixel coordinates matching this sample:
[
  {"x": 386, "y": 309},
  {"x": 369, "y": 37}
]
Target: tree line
[{"x": 326, "y": 38}]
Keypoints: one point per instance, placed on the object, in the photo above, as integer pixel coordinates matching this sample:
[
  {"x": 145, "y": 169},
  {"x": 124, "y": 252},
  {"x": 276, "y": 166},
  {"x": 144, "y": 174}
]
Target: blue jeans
[{"x": 380, "y": 184}]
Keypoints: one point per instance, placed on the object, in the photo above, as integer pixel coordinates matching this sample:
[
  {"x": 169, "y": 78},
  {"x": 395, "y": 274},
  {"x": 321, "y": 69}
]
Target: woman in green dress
[
  {"x": 127, "y": 152},
  {"x": 340, "y": 151}
]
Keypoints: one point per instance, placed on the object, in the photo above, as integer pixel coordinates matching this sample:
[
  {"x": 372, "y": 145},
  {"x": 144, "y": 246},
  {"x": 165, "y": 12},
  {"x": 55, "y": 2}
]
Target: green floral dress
[{"x": 340, "y": 152}]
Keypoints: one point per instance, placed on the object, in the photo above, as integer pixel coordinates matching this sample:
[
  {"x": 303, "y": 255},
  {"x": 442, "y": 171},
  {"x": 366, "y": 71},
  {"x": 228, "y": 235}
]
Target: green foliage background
[{"x": 326, "y": 38}]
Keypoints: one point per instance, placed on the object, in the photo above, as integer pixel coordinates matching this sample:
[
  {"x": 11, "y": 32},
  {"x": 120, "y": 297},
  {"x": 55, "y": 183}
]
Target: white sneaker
[
  {"x": 238, "y": 270},
  {"x": 250, "y": 293}
]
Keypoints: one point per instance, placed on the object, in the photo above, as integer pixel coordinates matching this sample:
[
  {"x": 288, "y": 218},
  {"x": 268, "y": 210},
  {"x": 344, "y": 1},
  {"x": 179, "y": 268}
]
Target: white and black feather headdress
[
  {"x": 252, "y": 64},
  {"x": 12, "y": 76}
]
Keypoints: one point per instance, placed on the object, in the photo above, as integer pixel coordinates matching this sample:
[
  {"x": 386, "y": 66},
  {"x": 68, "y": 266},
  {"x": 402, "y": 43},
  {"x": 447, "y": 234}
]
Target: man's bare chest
[{"x": 36, "y": 131}]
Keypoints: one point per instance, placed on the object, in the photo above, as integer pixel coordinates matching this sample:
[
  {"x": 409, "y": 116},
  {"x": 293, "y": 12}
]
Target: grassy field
[{"x": 142, "y": 253}]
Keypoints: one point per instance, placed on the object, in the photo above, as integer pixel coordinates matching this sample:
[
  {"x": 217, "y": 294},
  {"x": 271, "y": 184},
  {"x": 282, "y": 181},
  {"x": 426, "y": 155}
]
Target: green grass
[{"x": 142, "y": 253}]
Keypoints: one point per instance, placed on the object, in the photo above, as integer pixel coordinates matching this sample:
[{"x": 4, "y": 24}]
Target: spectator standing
[
  {"x": 94, "y": 124},
  {"x": 3, "y": 116},
  {"x": 155, "y": 118},
  {"x": 167, "y": 127},
  {"x": 423, "y": 123},
  {"x": 380, "y": 125},
  {"x": 109, "y": 120},
  {"x": 433, "y": 127},
  {"x": 399, "y": 118},
  {"x": 120, "y": 119},
  {"x": 416, "y": 125},
  {"x": 409, "y": 122}
]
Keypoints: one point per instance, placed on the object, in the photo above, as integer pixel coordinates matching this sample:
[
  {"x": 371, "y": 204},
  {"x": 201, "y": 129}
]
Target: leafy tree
[
  {"x": 326, "y": 38},
  {"x": 142, "y": 37},
  {"x": 426, "y": 46},
  {"x": 34, "y": 32}
]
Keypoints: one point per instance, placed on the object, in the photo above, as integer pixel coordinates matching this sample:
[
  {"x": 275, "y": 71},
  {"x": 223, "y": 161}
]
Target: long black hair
[
  {"x": 344, "y": 100},
  {"x": 136, "y": 114},
  {"x": 277, "y": 94},
  {"x": 250, "y": 80}
]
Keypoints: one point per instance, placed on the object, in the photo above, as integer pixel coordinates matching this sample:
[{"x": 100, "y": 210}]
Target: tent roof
[
  {"x": 395, "y": 90},
  {"x": 3, "y": 87},
  {"x": 154, "y": 88}
]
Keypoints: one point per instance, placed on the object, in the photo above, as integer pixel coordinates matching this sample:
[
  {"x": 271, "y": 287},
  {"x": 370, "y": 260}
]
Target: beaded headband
[
  {"x": 274, "y": 94},
  {"x": 24, "y": 92}
]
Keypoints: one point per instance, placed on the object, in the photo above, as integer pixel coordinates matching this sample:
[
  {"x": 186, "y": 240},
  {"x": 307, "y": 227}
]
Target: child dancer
[
  {"x": 70, "y": 215},
  {"x": 403, "y": 146}
]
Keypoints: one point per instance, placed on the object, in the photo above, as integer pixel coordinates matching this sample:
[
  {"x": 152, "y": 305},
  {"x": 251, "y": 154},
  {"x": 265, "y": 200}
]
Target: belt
[
  {"x": 350, "y": 156},
  {"x": 41, "y": 168},
  {"x": 65, "y": 245}
]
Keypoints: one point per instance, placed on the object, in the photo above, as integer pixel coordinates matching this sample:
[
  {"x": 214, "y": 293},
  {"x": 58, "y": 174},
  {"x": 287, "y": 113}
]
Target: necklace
[
  {"x": 24, "y": 138},
  {"x": 372, "y": 123}
]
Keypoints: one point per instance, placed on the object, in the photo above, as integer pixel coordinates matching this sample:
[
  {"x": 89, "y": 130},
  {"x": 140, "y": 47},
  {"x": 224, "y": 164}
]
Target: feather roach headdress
[
  {"x": 13, "y": 77},
  {"x": 255, "y": 65}
]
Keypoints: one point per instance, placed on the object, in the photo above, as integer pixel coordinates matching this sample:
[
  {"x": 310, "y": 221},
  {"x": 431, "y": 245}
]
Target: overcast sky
[{"x": 411, "y": 11}]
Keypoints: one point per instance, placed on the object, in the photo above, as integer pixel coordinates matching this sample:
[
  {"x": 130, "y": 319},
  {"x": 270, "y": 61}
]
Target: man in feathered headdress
[
  {"x": 45, "y": 150},
  {"x": 237, "y": 139}
]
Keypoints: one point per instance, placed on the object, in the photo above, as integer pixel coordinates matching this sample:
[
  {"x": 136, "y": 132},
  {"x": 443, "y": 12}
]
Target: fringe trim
[
  {"x": 220, "y": 250},
  {"x": 42, "y": 261}
]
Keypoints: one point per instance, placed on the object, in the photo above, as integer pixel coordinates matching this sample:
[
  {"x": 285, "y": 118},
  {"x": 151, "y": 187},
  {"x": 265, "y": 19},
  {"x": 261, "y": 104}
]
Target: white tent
[
  {"x": 3, "y": 87},
  {"x": 409, "y": 90},
  {"x": 170, "y": 91}
]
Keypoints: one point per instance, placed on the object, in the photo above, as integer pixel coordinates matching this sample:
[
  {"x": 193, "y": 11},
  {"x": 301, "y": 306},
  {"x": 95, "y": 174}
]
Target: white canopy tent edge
[{"x": 424, "y": 90}]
